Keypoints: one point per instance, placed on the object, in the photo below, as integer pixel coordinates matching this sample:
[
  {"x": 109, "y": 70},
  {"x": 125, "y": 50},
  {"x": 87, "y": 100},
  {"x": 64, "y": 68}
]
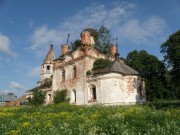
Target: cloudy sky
[{"x": 27, "y": 28}]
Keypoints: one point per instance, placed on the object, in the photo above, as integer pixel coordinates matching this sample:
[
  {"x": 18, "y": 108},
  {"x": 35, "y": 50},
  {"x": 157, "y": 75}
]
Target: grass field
[{"x": 63, "y": 119}]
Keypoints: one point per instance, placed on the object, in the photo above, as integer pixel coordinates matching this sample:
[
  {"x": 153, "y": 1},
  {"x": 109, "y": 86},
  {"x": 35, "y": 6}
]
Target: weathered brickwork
[{"x": 115, "y": 84}]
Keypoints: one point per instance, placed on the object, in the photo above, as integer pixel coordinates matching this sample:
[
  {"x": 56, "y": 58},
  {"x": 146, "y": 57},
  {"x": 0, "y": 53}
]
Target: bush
[
  {"x": 47, "y": 83},
  {"x": 101, "y": 63},
  {"x": 38, "y": 98},
  {"x": 60, "y": 96},
  {"x": 89, "y": 72}
]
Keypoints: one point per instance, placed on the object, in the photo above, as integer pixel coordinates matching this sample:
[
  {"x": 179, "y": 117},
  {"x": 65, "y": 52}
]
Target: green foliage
[
  {"x": 171, "y": 51},
  {"x": 100, "y": 63},
  {"x": 64, "y": 119},
  {"x": 103, "y": 39},
  {"x": 89, "y": 72},
  {"x": 76, "y": 44},
  {"x": 47, "y": 83},
  {"x": 60, "y": 96},
  {"x": 146, "y": 64},
  {"x": 152, "y": 70},
  {"x": 38, "y": 94},
  {"x": 38, "y": 98}
]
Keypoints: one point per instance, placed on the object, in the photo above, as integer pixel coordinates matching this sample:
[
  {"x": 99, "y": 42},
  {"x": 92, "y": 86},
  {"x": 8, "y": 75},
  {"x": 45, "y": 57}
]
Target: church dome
[{"x": 91, "y": 31}]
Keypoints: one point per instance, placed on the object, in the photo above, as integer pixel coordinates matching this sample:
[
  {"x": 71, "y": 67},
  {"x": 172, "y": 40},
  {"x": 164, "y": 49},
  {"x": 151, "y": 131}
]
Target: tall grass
[{"x": 64, "y": 119}]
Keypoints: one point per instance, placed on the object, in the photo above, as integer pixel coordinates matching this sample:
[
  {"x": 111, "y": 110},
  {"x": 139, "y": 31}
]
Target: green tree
[
  {"x": 38, "y": 98},
  {"x": 60, "y": 96},
  {"x": 76, "y": 44},
  {"x": 153, "y": 70},
  {"x": 171, "y": 51},
  {"x": 103, "y": 39},
  {"x": 101, "y": 63}
]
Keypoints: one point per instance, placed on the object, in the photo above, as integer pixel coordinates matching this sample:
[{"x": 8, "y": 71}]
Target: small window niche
[
  {"x": 74, "y": 72},
  {"x": 92, "y": 94},
  {"x": 48, "y": 69}
]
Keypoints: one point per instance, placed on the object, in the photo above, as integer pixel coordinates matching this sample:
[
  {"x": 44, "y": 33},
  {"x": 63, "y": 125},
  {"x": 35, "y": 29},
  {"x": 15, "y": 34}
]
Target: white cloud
[
  {"x": 143, "y": 32},
  {"x": 118, "y": 17},
  {"x": 42, "y": 36},
  {"x": 34, "y": 72},
  {"x": 4, "y": 92},
  {"x": 16, "y": 86},
  {"x": 92, "y": 16},
  {"x": 5, "y": 46}
]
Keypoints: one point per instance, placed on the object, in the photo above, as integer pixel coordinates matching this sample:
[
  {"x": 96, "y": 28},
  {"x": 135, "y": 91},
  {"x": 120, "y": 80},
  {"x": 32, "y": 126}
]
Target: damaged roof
[
  {"x": 91, "y": 31},
  {"x": 117, "y": 67}
]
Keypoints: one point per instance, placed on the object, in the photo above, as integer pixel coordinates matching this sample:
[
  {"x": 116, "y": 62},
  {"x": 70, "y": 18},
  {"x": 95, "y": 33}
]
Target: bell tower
[{"x": 47, "y": 65}]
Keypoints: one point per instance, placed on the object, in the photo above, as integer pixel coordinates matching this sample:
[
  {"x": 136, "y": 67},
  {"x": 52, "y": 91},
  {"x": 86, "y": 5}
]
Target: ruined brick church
[{"x": 115, "y": 84}]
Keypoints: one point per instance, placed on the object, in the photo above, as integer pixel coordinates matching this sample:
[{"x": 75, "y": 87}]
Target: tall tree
[
  {"x": 74, "y": 45},
  {"x": 171, "y": 51},
  {"x": 152, "y": 69},
  {"x": 103, "y": 39}
]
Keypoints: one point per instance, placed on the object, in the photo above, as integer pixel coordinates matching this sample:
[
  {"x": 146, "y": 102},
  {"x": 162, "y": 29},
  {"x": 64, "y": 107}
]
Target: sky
[{"x": 28, "y": 27}]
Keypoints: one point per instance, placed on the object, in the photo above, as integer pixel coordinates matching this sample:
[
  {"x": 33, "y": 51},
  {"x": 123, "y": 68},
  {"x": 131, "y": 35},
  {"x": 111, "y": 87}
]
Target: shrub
[
  {"x": 46, "y": 83},
  {"x": 38, "y": 98},
  {"x": 60, "y": 96},
  {"x": 89, "y": 72},
  {"x": 101, "y": 63}
]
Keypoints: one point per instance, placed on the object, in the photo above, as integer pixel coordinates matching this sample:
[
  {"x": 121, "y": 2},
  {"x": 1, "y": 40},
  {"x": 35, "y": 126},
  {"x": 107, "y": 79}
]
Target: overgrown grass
[{"x": 64, "y": 119}]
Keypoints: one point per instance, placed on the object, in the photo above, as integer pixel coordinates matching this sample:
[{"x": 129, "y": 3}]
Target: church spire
[
  {"x": 50, "y": 56},
  {"x": 117, "y": 53}
]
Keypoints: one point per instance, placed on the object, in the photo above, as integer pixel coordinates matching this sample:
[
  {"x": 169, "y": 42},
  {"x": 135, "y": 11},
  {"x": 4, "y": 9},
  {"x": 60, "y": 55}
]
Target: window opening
[
  {"x": 74, "y": 72},
  {"x": 74, "y": 94},
  {"x": 48, "y": 69},
  {"x": 93, "y": 96}
]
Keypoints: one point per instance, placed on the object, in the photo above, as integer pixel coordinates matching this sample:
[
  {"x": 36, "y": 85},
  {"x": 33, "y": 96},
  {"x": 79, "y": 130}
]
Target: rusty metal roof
[{"x": 117, "y": 67}]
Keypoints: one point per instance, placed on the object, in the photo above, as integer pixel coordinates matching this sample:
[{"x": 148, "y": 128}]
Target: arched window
[
  {"x": 48, "y": 69},
  {"x": 74, "y": 72},
  {"x": 74, "y": 96},
  {"x": 49, "y": 98},
  {"x": 63, "y": 75},
  {"x": 92, "y": 94}
]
